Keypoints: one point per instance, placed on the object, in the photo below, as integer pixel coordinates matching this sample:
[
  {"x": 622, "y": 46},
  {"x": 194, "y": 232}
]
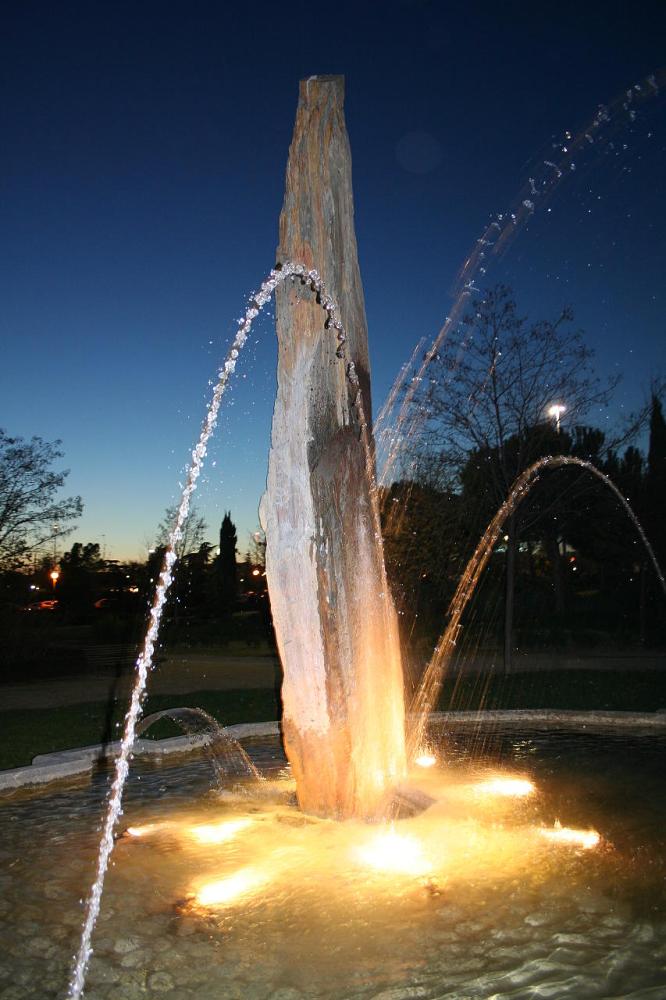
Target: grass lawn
[
  {"x": 28, "y": 733},
  {"x": 585, "y": 690}
]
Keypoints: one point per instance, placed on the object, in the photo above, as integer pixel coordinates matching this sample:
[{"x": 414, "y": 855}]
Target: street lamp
[
  {"x": 55, "y": 576},
  {"x": 555, "y": 411}
]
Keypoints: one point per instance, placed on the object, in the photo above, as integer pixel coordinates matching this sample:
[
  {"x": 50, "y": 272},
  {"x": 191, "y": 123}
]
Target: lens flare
[
  {"x": 566, "y": 835},
  {"x": 506, "y": 786},
  {"x": 227, "y": 890},
  {"x": 393, "y": 852},
  {"x": 218, "y": 833}
]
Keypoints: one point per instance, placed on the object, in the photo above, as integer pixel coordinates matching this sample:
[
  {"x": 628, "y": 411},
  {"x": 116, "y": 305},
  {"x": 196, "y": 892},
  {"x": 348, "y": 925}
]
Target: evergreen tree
[{"x": 227, "y": 575}]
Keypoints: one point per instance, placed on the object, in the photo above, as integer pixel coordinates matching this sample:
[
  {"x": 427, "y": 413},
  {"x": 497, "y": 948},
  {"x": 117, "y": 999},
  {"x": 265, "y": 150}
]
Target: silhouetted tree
[
  {"x": 190, "y": 549},
  {"x": 76, "y": 586},
  {"x": 423, "y": 549},
  {"x": 195, "y": 575},
  {"x": 226, "y": 571},
  {"x": 30, "y": 510},
  {"x": 192, "y": 535},
  {"x": 256, "y": 550},
  {"x": 488, "y": 393},
  {"x": 656, "y": 480}
]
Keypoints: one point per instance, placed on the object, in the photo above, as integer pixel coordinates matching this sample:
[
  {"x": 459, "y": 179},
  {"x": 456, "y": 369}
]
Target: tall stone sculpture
[{"x": 343, "y": 710}]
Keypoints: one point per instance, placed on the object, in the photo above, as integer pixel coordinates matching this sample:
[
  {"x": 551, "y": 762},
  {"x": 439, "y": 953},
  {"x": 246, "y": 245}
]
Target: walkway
[{"x": 179, "y": 674}]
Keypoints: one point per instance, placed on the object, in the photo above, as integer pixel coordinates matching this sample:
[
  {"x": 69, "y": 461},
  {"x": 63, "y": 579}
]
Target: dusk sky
[{"x": 144, "y": 150}]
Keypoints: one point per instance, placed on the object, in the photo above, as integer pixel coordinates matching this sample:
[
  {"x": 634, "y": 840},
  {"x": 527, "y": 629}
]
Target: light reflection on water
[{"x": 492, "y": 913}]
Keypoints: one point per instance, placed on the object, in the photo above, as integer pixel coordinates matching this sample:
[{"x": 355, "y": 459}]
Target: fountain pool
[{"x": 240, "y": 895}]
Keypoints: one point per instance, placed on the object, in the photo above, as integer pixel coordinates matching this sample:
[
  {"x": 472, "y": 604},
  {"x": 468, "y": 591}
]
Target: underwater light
[
  {"x": 565, "y": 835},
  {"x": 506, "y": 786},
  {"x": 227, "y": 890},
  {"x": 146, "y": 830},
  {"x": 393, "y": 852},
  {"x": 217, "y": 833}
]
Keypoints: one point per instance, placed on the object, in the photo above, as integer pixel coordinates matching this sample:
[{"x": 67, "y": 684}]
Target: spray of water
[
  {"x": 144, "y": 662},
  {"x": 431, "y": 682},
  {"x": 401, "y": 418},
  {"x": 225, "y": 753}
]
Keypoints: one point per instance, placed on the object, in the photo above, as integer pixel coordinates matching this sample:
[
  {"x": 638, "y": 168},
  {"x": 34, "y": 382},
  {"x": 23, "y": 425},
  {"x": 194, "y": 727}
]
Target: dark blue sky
[{"x": 144, "y": 148}]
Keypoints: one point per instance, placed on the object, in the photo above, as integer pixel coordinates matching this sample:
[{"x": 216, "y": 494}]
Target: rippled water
[{"x": 496, "y": 911}]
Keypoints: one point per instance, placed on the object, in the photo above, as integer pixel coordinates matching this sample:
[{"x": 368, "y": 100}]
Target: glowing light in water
[
  {"x": 425, "y": 759},
  {"x": 506, "y": 786},
  {"x": 147, "y": 830},
  {"x": 566, "y": 835},
  {"x": 217, "y": 833},
  {"x": 393, "y": 852},
  {"x": 227, "y": 890}
]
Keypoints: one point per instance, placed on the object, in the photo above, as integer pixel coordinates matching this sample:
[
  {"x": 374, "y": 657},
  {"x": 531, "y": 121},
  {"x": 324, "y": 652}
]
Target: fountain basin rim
[
  {"x": 62, "y": 764},
  {"x": 643, "y": 722},
  {"x": 47, "y": 769}
]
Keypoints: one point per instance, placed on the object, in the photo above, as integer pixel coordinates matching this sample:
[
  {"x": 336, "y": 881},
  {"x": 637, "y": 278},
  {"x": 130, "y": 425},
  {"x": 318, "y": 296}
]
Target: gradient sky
[{"x": 144, "y": 149}]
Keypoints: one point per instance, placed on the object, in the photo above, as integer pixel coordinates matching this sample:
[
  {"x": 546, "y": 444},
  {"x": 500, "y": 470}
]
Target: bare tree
[
  {"x": 256, "y": 550},
  {"x": 193, "y": 531},
  {"x": 498, "y": 377},
  {"x": 493, "y": 382},
  {"x": 31, "y": 512}
]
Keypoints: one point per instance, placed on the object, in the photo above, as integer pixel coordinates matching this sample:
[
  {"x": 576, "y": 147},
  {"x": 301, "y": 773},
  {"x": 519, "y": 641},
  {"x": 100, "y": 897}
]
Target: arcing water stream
[
  {"x": 433, "y": 676},
  {"x": 144, "y": 662},
  {"x": 223, "y": 751}
]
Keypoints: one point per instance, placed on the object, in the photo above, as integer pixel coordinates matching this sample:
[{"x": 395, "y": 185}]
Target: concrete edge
[
  {"x": 53, "y": 767},
  {"x": 21, "y": 777},
  {"x": 644, "y": 721}
]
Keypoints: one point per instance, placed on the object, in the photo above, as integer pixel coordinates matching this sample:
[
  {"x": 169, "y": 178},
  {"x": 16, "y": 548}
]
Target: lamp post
[{"x": 555, "y": 411}]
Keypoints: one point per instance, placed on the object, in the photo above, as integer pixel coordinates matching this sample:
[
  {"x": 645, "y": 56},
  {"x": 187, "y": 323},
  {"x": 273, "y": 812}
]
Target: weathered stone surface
[
  {"x": 160, "y": 982},
  {"x": 343, "y": 720}
]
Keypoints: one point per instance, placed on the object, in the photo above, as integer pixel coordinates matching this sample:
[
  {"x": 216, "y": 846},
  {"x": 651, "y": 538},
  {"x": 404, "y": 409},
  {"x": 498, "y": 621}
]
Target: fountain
[{"x": 453, "y": 875}]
